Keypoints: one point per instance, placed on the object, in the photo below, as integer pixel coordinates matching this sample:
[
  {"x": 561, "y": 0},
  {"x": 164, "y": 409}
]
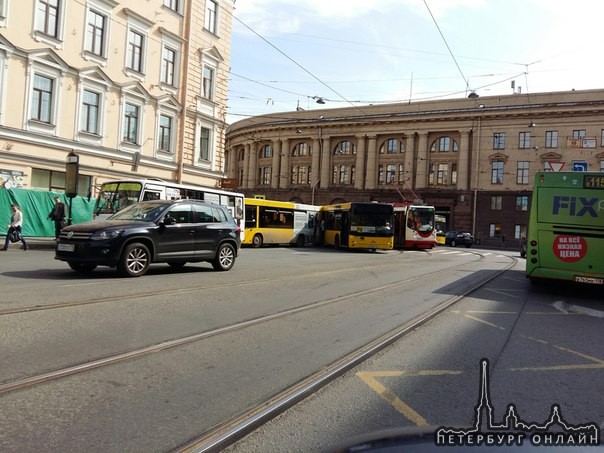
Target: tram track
[
  {"x": 142, "y": 351},
  {"x": 229, "y": 432},
  {"x": 174, "y": 291}
]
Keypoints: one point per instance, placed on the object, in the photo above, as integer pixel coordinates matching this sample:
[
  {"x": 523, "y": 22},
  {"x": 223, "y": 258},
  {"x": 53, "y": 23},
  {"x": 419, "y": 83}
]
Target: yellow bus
[
  {"x": 278, "y": 222},
  {"x": 358, "y": 225}
]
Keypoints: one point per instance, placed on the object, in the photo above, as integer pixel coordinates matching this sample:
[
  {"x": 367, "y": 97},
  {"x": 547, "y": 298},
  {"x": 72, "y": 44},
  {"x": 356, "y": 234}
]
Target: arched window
[
  {"x": 266, "y": 151},
  {"x": 345, "y": 147},
  {"x": 444, "y": 144},
  {"x": 392, "y": 146},
  {"x": 302, "y": 150}
]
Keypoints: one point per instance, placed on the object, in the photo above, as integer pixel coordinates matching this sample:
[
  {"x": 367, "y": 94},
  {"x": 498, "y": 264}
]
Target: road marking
[
  {"x": 369, "y": 377},
  {"x": 567, "y": 308},
  {"x": 484, "y": 322}
]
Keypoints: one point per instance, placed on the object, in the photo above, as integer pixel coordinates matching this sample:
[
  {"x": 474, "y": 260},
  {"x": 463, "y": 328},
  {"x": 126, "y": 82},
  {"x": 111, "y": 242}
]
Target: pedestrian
[
  {"x": 16, "y": 222},
  {"x": 58, "y": 216},
  {"x": 503, "y": 243}
]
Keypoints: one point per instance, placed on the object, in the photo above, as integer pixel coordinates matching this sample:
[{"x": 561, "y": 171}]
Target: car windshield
[{"x": 145, "y": 212}]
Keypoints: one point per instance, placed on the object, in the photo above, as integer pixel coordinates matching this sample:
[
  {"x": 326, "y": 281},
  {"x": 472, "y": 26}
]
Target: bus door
[
  {"x": 153, "y": 192},
  {"x": 345, "y": 228}
]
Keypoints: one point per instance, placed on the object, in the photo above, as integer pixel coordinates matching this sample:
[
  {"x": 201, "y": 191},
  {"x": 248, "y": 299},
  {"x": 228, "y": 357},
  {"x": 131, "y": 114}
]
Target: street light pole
[{"x": 72, "y": 169}]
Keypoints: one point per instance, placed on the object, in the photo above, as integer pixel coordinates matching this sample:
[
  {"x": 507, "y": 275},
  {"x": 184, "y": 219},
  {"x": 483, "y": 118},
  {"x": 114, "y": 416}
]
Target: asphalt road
[{"x": 304, "y": 309}]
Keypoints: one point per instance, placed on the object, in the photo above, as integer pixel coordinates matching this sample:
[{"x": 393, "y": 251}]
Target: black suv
[
  {"x": 455, "y": 238},
  {"x": 160, "y": 231}
]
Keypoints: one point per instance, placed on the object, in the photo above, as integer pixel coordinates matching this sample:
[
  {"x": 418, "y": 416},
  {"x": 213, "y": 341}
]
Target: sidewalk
[{"x": 34, "y": 243}]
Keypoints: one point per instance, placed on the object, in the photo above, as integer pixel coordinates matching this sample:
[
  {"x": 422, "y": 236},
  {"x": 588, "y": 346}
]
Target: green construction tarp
[{"x": 36, "y": 205}]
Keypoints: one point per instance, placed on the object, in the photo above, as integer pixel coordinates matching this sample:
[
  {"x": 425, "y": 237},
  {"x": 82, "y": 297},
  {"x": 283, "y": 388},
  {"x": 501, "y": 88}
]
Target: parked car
[
  {"x": 159, "y": 231},
  {"x": 455, "y": 238}
]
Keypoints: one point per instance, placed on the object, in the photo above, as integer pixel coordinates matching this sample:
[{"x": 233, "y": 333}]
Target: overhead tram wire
[{"x": 448, "y": 48}]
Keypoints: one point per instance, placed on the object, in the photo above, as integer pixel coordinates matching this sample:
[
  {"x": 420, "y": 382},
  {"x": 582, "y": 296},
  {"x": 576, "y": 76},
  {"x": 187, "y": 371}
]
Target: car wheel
[
  {"x": 453, "y": 243},
  {"x": 82, "y": 268},
  {"x": 257, "y": 240},
  {"x": 177, "y": 264},
  {"x": 225, "y": 258},
  {"x": 135, "y": 260}
]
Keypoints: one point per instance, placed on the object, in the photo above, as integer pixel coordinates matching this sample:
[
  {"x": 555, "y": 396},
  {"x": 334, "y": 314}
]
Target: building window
[
  {"x": 390, "y": 173},
  {"x": 300, "y": 174},
  {"x": 551, "y": 139},
  {"x": 353, "y": 174},
  {"x": 172, "y": 4},
  {"x": 496, "y": 203},
  {"x": 442, "y": 174},
  {"x": 579, "y": 133},
  {"x": 42, "y": 99},
  {"x": 345, "y": 147},
  {"x": 454, "y": 173},
  {"x": 494, "y": 230},
  {"x": 301, "y": 149},
  {"x": 340, "y": 174},
  {"x": 392, "y": 146},
  {"x": 499, "y": 140},
  {"x": 131, "y": 121},
  {"x": 135, "y": 51},
  {"x": 3, "y": 9},
  {"x": 519, "y": 231},
  {"x": 497, "y": 172},
  {"x": 55, "y": 181},
  {"x": 89, "y": 121},
  {"x": 165, "y": 133},
  {"x": 444, "y": 145},
  {"x": 522, "y": 173},
  {"x": 266, "y": 152},
  {"x": 168, "y": 66},
  {"x": 524, "y": 140},
  {"x": 265, "y": 176},
  {"x": 602, "y": 166},
  {"x": 204, "y": 144},
  {"x": 95, "y": 33},
  {"x": 401, "y": 173},
  {"x": 211, "y": 16},
  {"x": 522, "y": 203},
  {"x": 48, "y": 17},
  {"x": 207, "y": 83}
]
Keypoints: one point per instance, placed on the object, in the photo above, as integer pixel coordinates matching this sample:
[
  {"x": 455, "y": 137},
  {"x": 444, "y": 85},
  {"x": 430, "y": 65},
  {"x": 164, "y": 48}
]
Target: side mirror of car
[{"x": 169, "y": 220}]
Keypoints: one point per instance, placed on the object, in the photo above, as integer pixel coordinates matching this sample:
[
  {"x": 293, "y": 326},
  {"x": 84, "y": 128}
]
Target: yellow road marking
[
  {"x": 369, "y": 378},
  {"x": 484, "y": 322}
]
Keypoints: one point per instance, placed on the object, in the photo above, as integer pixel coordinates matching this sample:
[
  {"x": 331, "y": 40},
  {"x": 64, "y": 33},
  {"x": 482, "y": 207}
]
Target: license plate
[
  {"x": 65, "y": 247},
  {"x": 592, "y": 280}
]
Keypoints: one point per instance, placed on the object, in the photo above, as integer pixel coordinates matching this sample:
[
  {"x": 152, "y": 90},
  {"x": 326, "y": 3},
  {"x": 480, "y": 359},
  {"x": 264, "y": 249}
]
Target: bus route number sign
[
  {"x": 570, "y": 249},
  {"x": 593, "y": 182}
]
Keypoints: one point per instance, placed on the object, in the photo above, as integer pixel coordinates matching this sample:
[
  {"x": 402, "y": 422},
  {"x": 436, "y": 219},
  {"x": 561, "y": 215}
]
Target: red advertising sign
[{"x": 570, "y": 248}]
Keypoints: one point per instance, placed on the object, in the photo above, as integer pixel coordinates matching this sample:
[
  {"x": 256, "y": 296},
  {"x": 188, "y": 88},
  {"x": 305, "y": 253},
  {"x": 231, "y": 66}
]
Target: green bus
[{"x": 566, "y": 228}]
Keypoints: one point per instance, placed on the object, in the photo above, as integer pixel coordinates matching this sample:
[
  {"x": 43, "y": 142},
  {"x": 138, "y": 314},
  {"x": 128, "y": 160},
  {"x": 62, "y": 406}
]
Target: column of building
[
  {"x": 409, "y": 161},
  {"x": 275, "y": 166},
  {"x": 463, "y": 161},
  {"x": 326, "y": 163},
  {"x": 252, "y": 171},
  {"x": 284, "y": 174},
  {"x": 371, "y": 174},
  {"x": 421, "y": 173},
  {"x": 246, "y": 166},
  {"x": 315, "y": 162},
  {"x": 360, "y": 162}
]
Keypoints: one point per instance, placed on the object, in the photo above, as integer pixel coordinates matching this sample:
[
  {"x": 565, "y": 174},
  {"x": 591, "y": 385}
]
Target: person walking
[
  {"x": 58, "y": 216},
  {"x": 16, "y": 222}
]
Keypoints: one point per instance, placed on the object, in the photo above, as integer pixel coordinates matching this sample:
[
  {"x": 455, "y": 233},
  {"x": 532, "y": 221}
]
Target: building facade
[
  {"x": 474, "y": 159},
  {"x": 135, "y": 89}
]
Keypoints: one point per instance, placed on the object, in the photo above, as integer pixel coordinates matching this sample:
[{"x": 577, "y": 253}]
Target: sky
[{"x": 289, "y": 53}]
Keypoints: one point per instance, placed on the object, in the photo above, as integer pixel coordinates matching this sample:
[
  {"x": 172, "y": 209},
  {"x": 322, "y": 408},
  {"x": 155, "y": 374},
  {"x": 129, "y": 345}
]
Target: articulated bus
[
  {"x": 278, "y": 222},
  {"x": 358, "y": 225},
  {"x": 116, "y": 195},
  {"x": 566, "y": 228},
  {"x": 414, "y": 226}
]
